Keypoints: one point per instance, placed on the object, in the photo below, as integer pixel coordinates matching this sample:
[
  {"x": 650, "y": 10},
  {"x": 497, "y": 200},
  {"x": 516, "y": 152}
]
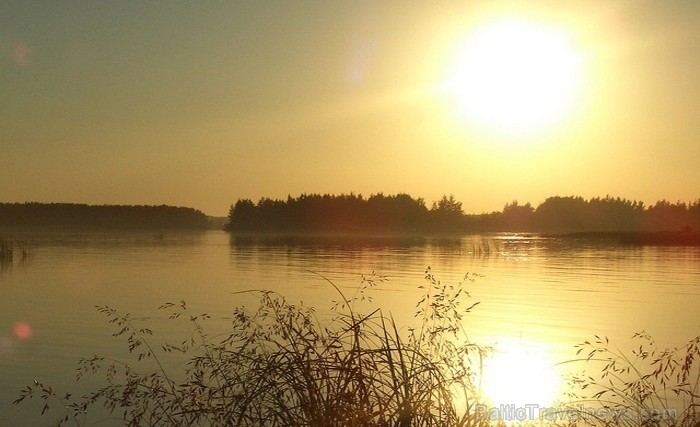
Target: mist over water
[{"x": 550, "y": 293}]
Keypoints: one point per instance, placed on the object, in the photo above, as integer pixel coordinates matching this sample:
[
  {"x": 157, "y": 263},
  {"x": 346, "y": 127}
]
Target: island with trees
[{"x": 404, "y": 214}]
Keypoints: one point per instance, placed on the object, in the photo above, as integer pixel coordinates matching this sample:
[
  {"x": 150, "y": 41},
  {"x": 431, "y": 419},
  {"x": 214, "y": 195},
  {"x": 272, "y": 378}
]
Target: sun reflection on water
[{"x": 520, "y": 374}]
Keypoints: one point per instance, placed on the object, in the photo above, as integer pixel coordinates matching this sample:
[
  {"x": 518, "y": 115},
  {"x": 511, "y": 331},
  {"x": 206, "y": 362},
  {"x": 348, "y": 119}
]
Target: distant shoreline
[
  {"x": 657, "y": 238},
  {"x": 379, "y": 216},
  {"x": 632, "y": 238}
]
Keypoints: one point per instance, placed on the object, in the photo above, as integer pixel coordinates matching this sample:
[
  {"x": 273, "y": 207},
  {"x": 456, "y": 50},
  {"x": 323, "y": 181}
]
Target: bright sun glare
[
  {"x": 519, "y": 374},
  {"x": 513, "y": 75}
]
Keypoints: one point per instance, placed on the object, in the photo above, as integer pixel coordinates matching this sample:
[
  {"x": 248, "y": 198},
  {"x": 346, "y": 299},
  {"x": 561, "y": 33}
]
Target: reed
[
  {"x": 7, "y": 250},
  {"x": 10, "y": 248}
]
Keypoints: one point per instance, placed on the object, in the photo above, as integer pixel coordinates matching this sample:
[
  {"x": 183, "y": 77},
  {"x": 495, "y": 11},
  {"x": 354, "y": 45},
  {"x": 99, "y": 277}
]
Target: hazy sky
[{"x": 201, "y": 103}]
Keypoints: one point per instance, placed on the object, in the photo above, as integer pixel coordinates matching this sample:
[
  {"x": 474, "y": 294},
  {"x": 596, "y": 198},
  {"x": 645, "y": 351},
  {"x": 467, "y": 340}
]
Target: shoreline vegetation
[
  {"x": 278, "y": 364},
  {"x": 626, "y": 221}
]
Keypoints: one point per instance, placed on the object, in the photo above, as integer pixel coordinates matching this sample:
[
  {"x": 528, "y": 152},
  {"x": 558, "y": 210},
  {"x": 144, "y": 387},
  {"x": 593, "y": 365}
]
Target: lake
[{"x": 547, "y": 292}]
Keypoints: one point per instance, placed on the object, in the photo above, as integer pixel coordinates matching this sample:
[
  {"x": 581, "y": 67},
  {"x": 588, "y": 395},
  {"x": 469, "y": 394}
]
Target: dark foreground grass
[{"x": 279, "y": 365}]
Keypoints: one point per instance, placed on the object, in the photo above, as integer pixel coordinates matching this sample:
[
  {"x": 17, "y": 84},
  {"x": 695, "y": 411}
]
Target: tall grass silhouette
[
  {"x": 280, "y": 365},
  {"x": 648, "y": 386}
]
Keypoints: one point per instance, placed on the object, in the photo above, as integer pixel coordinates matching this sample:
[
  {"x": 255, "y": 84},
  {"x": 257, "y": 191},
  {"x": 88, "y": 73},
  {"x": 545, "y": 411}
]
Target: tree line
[
  {"x": 404, "y": 214},
  {"x": 70, "y": 216}
]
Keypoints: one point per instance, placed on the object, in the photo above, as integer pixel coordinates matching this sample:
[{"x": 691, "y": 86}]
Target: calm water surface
[{"x": 549, "y": 292}]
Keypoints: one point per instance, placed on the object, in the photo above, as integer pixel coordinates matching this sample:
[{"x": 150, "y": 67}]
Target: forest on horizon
[
  {"x": 402, "y": 213},
  {"x": 80, "y": 217}
]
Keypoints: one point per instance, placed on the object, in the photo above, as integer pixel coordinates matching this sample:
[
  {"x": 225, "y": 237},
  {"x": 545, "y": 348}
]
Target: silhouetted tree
[
  {"x": 665, "y": 215},
  {"x": 561, "y": 214},
  {"x": 447, "y": 205},
  {"x": 517, "y": 217},
  {"x": 446, "y": 215}
]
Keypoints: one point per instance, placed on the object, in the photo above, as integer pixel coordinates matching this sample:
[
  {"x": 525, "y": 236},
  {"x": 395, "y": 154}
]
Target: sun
[{"x": 513, "y": 75}]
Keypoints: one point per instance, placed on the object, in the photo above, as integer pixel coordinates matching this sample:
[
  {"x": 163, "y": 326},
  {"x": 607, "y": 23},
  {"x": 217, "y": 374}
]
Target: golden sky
[{"x": 199, "y": 104}]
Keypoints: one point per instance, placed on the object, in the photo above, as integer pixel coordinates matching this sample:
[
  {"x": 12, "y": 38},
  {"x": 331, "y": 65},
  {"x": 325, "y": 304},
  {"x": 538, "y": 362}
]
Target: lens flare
[{"x": 23, "y": 331}]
